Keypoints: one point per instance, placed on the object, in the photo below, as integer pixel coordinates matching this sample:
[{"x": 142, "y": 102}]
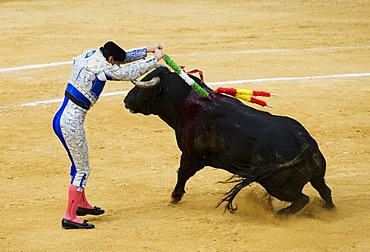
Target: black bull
[{"x": 274, "y": 151}]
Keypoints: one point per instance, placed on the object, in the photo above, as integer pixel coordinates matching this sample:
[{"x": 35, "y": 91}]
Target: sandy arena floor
[{"x": 134, "y": 158}]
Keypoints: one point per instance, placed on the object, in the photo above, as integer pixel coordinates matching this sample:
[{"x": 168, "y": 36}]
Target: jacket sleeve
[
  {"x": 131, "y": 71},
  {"x": 135, "y": 54}
]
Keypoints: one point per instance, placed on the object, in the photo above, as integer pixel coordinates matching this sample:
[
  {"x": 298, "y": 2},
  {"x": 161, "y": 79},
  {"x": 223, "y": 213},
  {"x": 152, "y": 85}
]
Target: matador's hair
[{"x": 112, "y": 49}]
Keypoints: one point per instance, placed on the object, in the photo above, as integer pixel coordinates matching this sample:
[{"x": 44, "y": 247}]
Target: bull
[{"x": 222, "y": 132}]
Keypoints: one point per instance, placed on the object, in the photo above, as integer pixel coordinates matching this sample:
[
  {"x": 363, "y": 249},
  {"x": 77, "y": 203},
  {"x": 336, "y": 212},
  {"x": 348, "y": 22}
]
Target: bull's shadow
[{"x": 256, "y": 146}]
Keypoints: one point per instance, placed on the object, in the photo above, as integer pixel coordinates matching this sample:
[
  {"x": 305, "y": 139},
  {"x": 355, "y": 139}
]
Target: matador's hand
[
  {"x": 158, "y": 54},
  {"x": 153, "y": 47}
]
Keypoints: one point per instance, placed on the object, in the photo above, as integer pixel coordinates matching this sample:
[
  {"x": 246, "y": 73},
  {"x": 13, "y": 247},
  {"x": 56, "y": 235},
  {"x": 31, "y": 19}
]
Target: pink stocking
[
  {"x": 74, "y": 198},
  {"x": 84, "y": 202}
]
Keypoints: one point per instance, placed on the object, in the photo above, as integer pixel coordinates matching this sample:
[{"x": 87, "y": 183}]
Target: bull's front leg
[{"x": 185, "y": 171}]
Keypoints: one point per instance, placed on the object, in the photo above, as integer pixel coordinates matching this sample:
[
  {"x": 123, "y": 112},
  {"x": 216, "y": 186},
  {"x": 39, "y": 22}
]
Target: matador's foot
[
  {"x": 81, "y": 211},
  {"x": 74, "y": 225}
]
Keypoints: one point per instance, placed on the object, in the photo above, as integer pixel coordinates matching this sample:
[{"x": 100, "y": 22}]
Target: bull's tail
[
  {"x": 248, "y": 174},
  {"x": 257, "y": 173}
]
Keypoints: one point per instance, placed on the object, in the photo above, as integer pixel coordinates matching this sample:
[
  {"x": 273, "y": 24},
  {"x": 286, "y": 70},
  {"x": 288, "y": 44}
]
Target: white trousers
[{"x": 69, "y": 126}]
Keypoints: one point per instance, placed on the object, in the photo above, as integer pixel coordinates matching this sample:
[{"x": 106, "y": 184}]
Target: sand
[{"x": 134, "y": 158}]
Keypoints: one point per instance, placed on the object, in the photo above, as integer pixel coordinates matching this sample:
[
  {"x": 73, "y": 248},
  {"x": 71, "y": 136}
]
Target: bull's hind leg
[
  {"x": 324, "y": 191},
  {"x": 297, "y": 204}
]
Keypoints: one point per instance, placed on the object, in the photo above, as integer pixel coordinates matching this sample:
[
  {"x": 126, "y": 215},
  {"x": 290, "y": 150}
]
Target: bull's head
[{"x": 141, "y": 99}]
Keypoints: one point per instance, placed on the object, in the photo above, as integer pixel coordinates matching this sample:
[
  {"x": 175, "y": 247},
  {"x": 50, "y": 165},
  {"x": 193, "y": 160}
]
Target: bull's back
[{"x": 231, "y": 128}]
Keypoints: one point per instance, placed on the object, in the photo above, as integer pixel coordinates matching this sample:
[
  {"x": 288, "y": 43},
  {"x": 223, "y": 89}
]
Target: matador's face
[{"x": 114, "y": 62}]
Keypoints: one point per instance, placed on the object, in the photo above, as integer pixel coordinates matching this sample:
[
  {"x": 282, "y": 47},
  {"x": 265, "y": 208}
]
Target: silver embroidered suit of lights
[
  {"x": 92, "y": 64},
  {"x": 72, "y": 127},
  {"x": 89, "y": 73}
]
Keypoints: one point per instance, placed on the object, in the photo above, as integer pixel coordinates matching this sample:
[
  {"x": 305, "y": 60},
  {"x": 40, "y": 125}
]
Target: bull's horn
[{"x": 147, "y": 84}]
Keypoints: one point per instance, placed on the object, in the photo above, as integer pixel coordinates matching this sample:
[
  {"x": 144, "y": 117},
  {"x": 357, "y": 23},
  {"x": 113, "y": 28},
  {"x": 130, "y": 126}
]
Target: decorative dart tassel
[
  {"x": 203, "y": 93},
  {"x": 246, "y": 94},
  {"x": 229, "y": 91},
  {"x": 252, "y": 99}
]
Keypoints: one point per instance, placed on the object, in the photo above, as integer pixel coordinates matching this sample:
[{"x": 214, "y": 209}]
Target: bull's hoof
[
  {"x": 284, "y": 212},
  {"x": 174, "y": 201},
  {"x": 176, "y": 197},
  {"x": 329, "y": 206}
]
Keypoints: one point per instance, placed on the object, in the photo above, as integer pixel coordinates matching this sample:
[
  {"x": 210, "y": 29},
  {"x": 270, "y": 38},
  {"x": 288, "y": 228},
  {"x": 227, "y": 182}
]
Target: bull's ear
[{"x": 163, "y": 70}]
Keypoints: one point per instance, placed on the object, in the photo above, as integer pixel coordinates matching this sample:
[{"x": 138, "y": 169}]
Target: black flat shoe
[
  {"x": 83, "y": 211},
  {"x": 73, "y": 225}
]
